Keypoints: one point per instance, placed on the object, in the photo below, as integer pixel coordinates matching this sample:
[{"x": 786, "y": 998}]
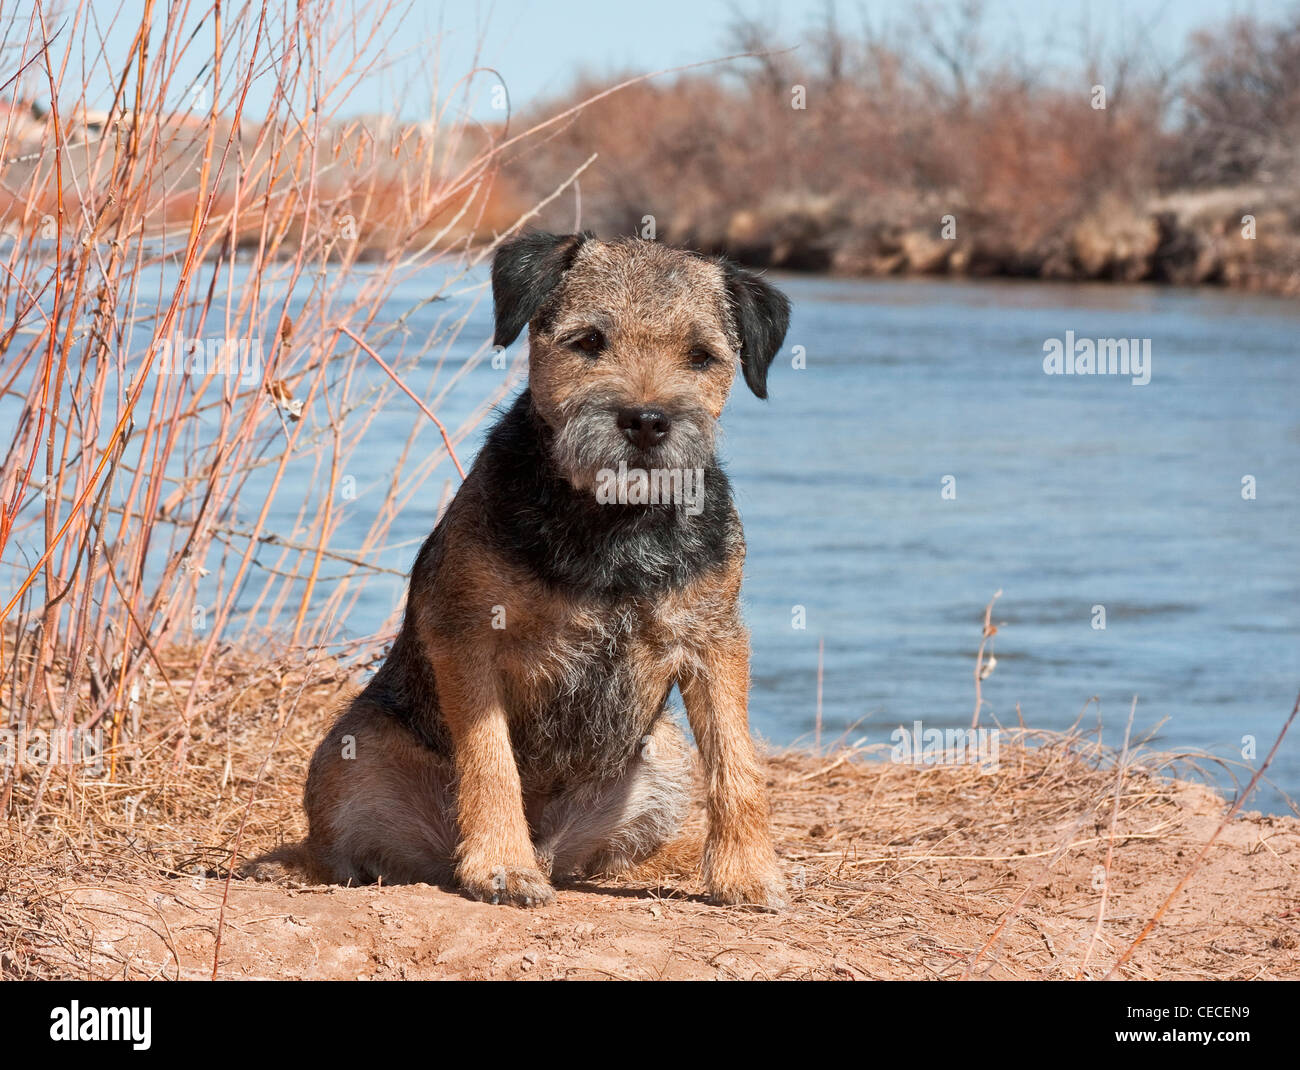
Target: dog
[{"x": 517, "y": 733}]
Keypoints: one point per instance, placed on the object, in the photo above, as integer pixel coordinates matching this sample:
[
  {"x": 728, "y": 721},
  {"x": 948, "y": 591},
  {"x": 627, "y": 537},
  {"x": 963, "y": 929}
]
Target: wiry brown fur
[{"x": 517, "y": 732}]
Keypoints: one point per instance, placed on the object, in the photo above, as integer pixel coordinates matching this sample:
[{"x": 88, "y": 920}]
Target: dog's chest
[{"x": 585, "y": 696}]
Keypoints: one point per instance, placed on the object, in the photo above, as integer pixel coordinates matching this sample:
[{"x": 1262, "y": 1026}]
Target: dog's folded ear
[
  {"x": 762, "y": 315},
  {"x": 524, "y": 273}
]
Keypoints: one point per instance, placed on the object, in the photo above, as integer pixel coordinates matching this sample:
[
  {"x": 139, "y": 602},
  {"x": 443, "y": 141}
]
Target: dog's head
[{"x": 633, "y": 345}]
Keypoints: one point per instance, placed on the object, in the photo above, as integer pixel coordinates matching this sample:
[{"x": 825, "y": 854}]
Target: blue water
[{"x": 1071, "y": 492}]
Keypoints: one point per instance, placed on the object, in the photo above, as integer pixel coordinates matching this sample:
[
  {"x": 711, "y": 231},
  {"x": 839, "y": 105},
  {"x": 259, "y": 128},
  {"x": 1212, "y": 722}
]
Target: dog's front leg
[
  {"x": 495, "y": 858},
  {"x": 739, "y": 862}
]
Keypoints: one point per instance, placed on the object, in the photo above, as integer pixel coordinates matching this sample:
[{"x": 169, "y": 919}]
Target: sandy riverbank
[{"x": 896, "y": 872}]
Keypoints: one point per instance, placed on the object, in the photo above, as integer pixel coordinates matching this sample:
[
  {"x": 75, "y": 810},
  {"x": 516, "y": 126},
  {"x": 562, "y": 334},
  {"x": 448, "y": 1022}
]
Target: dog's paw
[
  {"x": 752, "y": 878},
  {"x": 765, "y": 892},
  {"x": 744, "y": 873},
  {"x": 518, "y": 886}
]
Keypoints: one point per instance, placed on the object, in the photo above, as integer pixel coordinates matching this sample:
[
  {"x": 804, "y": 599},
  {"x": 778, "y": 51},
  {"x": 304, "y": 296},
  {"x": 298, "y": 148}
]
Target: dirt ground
[{"x": 896, "y": 871}]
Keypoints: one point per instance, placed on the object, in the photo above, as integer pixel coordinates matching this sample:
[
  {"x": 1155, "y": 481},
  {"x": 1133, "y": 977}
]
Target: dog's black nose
[{"x": 644, "y": 427}]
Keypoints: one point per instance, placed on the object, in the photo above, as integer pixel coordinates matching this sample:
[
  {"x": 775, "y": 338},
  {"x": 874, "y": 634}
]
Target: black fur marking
[
  {"x": 405, "y": 689},
  {"x": 567, "y": 538},
  {"x": 762, "y": 315},
  {"x": 587, "y": 734},
  {"x": 619, "y": 555},
  {"x": 525, "y": 272}
]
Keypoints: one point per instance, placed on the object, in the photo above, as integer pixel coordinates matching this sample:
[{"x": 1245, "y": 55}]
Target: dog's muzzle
[{"x": 604, "y": 433}]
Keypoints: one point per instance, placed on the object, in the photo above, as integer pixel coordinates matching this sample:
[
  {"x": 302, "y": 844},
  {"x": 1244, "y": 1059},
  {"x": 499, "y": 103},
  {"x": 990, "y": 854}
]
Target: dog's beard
[{"x": 590, "y": 445}]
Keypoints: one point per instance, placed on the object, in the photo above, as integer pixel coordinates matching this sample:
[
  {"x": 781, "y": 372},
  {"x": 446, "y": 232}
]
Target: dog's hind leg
[
  {"x": 380, "y": 805},
  {"x": 609, "y": 826}
]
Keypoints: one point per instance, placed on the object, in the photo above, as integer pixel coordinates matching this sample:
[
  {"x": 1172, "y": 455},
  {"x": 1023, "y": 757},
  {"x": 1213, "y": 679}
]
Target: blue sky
[{"x": 540, "y": 48}]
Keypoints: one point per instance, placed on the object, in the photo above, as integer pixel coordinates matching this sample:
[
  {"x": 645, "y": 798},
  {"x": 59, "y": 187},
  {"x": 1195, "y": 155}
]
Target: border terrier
[{"x": 517, "y": 732}]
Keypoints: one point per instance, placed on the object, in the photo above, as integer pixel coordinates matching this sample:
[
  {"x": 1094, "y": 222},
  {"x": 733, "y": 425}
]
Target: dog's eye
[
  {"x": 700, "y": 358},
  {"x": 590, "y": 343}
]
